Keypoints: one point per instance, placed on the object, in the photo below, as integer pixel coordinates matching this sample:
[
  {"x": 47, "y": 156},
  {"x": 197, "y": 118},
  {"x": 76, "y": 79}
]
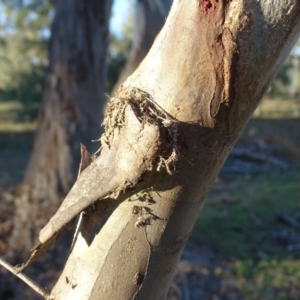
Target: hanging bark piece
[
  {"x": 40, "y": 249},
  {"x": 86, "y": 159}
]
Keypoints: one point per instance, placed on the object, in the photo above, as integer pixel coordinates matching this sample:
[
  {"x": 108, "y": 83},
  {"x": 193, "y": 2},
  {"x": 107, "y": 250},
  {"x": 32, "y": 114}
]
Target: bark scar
[
  {"x": 208, "y": 6},
  {"x": 223, "y": 55},
  {"x": 222, "y": 50}
]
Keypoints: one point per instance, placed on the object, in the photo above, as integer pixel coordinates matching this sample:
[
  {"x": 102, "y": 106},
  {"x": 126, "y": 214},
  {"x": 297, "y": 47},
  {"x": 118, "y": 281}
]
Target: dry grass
[{"x": 278, "y": 109}]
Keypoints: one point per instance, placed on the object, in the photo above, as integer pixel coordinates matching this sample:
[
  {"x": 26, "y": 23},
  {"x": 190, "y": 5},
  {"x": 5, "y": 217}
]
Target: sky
[{"x": 120, "y": 13}]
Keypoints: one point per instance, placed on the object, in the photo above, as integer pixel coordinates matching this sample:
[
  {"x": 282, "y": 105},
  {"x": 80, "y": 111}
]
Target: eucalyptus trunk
[{"x": 168, "y": 132}]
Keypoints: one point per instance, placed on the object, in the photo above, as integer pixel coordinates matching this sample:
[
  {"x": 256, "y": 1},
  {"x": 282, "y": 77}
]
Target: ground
[{"x": 246, "y": 243}]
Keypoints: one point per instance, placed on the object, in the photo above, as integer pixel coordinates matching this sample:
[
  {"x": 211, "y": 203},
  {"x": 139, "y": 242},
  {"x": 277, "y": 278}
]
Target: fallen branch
[{"x": 260, "y": 157}]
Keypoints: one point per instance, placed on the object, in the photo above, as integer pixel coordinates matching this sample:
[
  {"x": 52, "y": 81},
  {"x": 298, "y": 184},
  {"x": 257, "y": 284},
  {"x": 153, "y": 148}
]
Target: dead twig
[{"x": 43, "y": 292}]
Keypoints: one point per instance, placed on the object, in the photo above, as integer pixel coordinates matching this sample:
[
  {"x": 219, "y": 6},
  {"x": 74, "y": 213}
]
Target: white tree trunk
[{"x": 183, "y": 109}]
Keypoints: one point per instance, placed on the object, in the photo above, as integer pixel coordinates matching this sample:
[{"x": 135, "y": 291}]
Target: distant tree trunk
[
  {"x": 149, "y": 18},
  {"x": 71, "y": 114}
]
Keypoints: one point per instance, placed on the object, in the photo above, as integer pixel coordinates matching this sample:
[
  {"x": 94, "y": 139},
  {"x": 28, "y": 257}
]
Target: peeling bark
[{"x": 207, "y": 71}]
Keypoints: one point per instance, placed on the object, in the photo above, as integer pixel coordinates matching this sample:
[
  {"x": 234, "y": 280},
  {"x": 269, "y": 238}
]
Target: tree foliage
[
  {"x": 287, "y": 82},
  {"x": 24, "y": 33}
]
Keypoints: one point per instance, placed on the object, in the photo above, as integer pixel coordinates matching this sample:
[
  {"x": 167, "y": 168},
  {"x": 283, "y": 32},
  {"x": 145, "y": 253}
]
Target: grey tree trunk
[
  {"x": 71, "y": 114},
  {"x": 168, "y": 131},
  {"x": 149, "y": 18}
]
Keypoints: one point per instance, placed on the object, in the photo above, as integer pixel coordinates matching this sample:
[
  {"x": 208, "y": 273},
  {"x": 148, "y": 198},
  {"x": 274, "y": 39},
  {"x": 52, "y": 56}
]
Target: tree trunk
[
  {"x": 168, "y": 131},
  {"x": 71, "y": 114},
  {"x": 149, "y": 18}
]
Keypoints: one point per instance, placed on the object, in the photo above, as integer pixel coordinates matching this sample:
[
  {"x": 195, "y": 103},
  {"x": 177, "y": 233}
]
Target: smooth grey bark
[
  {"x": 168, "y": 131},
  {"x": 71, "y": 114},
  {"x": 149, "y": 18}
]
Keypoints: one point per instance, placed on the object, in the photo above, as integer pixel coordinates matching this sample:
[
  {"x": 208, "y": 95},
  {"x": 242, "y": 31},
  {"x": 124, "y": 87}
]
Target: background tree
[
  {"x": 71, "y": 113},
  {"x": 168, "y": 131},
  {"x": 24, "y": 30}
]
